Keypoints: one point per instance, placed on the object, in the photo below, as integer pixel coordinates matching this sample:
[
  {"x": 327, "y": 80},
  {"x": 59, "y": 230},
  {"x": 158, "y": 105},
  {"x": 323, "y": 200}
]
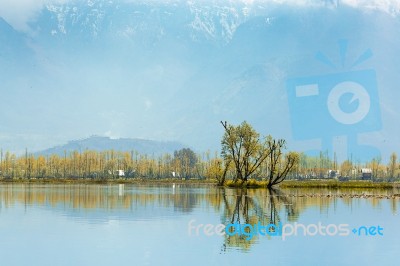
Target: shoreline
[
  {"x": 329, "y": 189},
  {"x": 333, "y": 184},
  {"x": 141, "y": 181},
  {"x": 317, "y": 183}
]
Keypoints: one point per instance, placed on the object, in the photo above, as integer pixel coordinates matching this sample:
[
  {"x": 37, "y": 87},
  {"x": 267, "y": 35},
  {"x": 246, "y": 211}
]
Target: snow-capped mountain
[
  {"x": 145, "y": 22},
  {"x": 171, "y": 70}
]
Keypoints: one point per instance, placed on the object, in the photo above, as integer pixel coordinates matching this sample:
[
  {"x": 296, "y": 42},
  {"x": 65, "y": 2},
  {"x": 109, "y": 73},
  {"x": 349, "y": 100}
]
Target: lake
[{"x": 91, "y": 224}]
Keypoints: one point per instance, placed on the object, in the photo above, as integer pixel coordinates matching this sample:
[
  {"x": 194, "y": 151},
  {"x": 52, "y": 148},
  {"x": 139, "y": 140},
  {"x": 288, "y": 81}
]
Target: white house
[{"x": 120, "y": 173}]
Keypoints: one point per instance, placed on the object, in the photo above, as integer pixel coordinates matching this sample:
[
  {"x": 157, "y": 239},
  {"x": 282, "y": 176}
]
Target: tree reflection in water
[
  {"x": 251, "y": 206},
  {"x": 102, "y": 202}
]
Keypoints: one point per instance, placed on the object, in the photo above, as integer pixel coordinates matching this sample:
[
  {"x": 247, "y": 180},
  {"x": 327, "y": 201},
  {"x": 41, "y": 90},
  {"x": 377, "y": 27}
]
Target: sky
[
  {"x": 164, "y": 73},
  {"x": 19, "y": 13}
]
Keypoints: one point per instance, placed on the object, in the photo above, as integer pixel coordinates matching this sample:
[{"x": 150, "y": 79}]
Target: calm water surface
[{"x": 148, "y": 225}]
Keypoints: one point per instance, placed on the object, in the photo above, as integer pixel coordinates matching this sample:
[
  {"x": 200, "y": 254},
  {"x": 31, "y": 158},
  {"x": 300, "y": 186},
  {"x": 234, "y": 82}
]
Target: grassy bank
[
  {"x": 249, "y": 184},
  {"x": 315, "y": 184},
  {"x": 337, "y": 184}
]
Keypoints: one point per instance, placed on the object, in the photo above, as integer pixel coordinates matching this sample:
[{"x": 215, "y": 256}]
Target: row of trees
[
  {"x": 101, "y": 164},
  {"x": 323, "y": 166},
  {"x": 244, "y": 155}
]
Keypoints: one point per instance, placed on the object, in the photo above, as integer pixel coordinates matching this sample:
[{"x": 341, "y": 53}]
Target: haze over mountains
[
  {"x": 98, "y": 143},
  {"x": 171, "y": 70}
]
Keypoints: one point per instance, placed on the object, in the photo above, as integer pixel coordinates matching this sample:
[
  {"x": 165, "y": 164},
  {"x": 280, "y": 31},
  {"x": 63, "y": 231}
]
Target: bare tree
[
  {"x": 392, "y": 165},
  {"x": 242, "y": 145},
  {"x": 280, "y": 165}
]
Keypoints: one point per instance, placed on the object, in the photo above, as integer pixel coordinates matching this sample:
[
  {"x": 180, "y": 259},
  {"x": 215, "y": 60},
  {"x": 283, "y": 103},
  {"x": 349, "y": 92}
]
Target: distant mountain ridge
[
  {"x": 99, "y": 143},
  {"x": 174, "y": 69}
]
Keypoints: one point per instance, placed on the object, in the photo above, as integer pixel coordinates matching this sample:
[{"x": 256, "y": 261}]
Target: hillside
[{"x": 97, "y": 143}]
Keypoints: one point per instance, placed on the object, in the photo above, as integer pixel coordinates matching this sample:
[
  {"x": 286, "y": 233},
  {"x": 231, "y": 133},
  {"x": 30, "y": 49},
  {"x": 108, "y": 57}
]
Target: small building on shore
[
  {"x": 366, "y": 173},
  {"x": 119, "y": 173},
  {"x": 333, "y": 174}
]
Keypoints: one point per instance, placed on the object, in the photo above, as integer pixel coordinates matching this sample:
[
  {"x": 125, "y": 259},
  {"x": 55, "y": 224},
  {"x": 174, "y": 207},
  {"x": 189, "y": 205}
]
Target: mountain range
[
  {"x": 98, "y": 143},
  {"x": 172, "y": 70}
]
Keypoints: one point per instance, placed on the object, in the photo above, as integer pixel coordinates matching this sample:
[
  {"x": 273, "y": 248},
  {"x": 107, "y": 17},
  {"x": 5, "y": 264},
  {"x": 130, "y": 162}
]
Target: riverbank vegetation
[
  {"x": 317, "y": 183},
  {"x": 246, "y": 160},
  {"x": 250, "y": 155}
]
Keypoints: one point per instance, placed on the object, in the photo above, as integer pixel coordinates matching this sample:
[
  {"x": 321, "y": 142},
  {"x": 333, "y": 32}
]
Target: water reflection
[
  {"x": 141, "y": 225},
  {"x": 276, "y": 207},
  {"x": 133, "y": 202},
  {"x": 240, "y": 205},
  {"x": 255, "y": 207},
  {"x": 92, "y": 201}
]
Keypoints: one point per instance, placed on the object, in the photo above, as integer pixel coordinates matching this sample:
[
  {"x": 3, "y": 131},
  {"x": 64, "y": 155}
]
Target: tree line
[
  {"x": 245, "y": 155},
  {"x": 102, "y": 165}
]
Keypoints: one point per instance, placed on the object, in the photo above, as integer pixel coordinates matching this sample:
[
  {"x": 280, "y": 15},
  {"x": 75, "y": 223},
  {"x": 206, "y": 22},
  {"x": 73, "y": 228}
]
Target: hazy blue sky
[{"x": 171, "y": 70}]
